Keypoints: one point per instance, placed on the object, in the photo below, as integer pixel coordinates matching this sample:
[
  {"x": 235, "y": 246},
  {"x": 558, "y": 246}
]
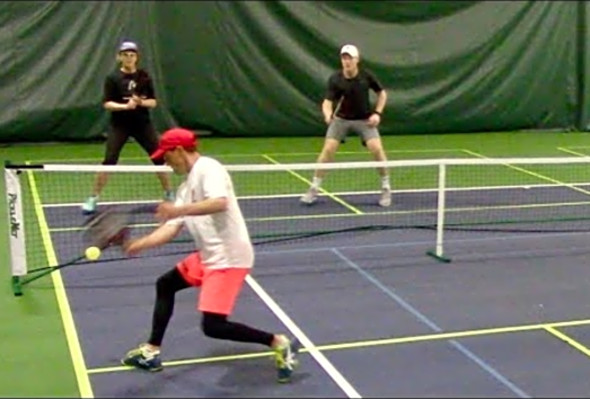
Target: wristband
[{"x": 377, "y": 112}]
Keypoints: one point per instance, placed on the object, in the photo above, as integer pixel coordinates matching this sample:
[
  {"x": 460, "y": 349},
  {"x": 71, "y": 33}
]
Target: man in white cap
[{"x": 349, "y": 89}]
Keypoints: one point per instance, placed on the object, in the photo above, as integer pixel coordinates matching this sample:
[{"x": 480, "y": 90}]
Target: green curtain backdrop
[
  {"x": 56, "y": 55},
  {"x": 260, "y": 68}
]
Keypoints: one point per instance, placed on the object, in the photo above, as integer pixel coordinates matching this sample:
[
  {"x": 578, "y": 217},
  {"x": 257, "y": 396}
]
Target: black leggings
[
  {"x": 146, "y": 136},
  {"x": 214, "y": 325}
]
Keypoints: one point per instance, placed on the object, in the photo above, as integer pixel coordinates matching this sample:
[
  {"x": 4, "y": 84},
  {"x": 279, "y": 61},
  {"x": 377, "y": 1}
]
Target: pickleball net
[{"x": 503, "y": 195}]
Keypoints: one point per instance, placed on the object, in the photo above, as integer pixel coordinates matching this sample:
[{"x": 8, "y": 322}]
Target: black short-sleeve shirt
[
  {"x": 119, "y": 86},
  {"x": 355, "y": 104}
]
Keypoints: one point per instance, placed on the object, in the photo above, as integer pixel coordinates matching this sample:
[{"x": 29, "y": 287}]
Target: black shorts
[{"x": 145, "y": 135}]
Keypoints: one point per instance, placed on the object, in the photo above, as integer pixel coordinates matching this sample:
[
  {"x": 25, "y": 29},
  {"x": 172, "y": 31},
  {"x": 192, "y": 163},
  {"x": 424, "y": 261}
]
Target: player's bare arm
[{"x": 159, "y": 236}]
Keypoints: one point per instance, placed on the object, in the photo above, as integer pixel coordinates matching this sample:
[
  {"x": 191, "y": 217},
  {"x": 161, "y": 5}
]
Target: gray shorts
[{"x": 339, "y": 129}]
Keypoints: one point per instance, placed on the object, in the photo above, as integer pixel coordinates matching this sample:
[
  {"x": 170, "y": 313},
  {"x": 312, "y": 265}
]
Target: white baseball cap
[
  {"x": 128, "y": 46},
  {"x": 350, "y": 49}
]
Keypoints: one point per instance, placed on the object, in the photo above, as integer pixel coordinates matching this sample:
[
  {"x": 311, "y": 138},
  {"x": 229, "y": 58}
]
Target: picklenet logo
[{"x": 14, "y": 223}]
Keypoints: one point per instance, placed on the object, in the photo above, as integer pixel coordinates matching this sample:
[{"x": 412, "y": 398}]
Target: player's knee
[
  {"x": 374, "y": 145},
  {"x": 163, "y": 284},
  {"x": 330, "y": 148},
  {"x": 333, "y": 143},
  {"x": 214, "y": 325}
]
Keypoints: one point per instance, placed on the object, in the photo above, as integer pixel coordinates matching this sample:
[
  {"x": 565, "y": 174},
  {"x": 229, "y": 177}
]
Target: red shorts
[{"x": 219, "y": 287}]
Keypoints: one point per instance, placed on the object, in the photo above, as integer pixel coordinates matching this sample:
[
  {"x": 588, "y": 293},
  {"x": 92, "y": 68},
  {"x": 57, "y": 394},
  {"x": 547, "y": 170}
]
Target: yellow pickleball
[{"x": 92, "y": 253}]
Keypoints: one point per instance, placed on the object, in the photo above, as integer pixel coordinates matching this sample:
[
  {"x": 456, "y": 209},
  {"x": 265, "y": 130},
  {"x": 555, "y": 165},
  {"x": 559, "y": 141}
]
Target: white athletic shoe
[
  {"x": 89, "y": 206},
  {"x": 310, "y": 197},
  {"x": 385, "y": 198}
]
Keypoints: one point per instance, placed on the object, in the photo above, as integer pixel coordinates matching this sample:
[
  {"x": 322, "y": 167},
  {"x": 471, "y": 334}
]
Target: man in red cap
[{"x": 206, "y": 204}]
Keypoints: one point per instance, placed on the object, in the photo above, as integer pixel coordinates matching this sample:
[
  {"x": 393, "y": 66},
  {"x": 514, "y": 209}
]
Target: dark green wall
[{"x": 260, "y": 68}]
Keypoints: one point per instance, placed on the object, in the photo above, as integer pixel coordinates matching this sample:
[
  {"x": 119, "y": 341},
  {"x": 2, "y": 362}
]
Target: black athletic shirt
[
  {"x": 355, "y": 91},
  {"x": 119, "y": 86}
]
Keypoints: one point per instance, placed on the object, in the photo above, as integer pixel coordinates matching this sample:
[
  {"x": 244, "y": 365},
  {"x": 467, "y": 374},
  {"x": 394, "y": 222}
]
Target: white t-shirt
[{"x": 222, "y": 238}]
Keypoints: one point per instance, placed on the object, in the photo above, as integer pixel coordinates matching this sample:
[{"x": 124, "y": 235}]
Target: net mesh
[{"x": 497, "y": 195}]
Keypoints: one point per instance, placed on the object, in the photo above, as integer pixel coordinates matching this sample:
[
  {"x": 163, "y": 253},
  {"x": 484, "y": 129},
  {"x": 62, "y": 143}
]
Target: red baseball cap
[{"x": 172, "y": 138}]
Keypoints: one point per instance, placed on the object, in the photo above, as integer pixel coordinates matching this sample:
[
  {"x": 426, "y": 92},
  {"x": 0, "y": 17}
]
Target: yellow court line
[
  {"x": 82, "y": 228},
  {"x": 62, "y": 299},
  {"x": 537, "y": 175},
  {"x": 569, "y": 340},
  {"x": 349, "y": 215},
  {"x": 369, "y": 343},
  {"x": 433, "y": 150},
  {"x": 577, "y": 146},
  {"x": 580, "y": 154},
  {"x": 176, "y": 363},
  {"x": 335, "y": 198}
]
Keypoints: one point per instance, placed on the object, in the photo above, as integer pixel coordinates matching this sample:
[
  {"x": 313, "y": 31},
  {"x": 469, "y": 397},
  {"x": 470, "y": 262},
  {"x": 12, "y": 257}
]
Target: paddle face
[{"x": 106, "y": 228}]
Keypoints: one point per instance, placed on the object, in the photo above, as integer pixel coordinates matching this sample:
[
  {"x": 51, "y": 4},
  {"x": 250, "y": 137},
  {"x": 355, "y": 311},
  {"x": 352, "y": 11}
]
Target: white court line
[
  {"x": 305, "y": 341},
  {"x": 350, "y": 193}
]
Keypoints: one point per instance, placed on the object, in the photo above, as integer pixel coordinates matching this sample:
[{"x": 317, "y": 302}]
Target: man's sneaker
[
  {"x": 169, "y": 196},
  {"x": 89, "y": 206},
  {"x": 385, "y": 198},
  {"x": 310, "y": 197},
  {"x": 285, "y": 359},
  {"x": 143, "y": 359}
]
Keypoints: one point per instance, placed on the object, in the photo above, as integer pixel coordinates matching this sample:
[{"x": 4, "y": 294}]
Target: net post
[
  {"x": 437, "y": 253},
  {"x": 16, "y": 232},
  {"x": 17, "y": 287}
]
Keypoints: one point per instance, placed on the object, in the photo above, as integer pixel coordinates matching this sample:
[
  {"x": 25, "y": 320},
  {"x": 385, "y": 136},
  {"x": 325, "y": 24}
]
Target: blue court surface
[{"x": 509, "y": 316}]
